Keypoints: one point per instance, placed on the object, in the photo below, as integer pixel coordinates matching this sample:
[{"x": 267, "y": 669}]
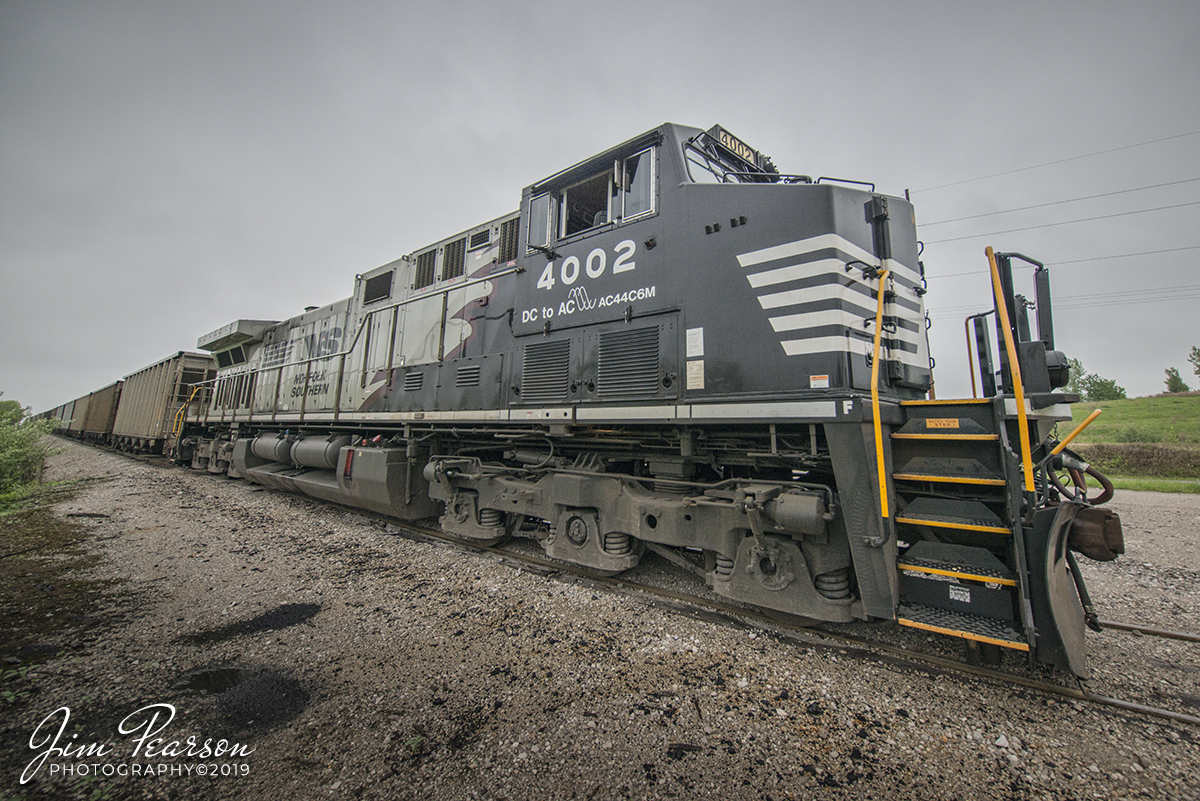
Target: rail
[
  {"x": 970, "y": 352},
  {"x": 1078, "y": 430},
  {"x": 1014, "y": 368},
  {"x": 181, "y": 412},
  {"x": 713, "y": 610}
]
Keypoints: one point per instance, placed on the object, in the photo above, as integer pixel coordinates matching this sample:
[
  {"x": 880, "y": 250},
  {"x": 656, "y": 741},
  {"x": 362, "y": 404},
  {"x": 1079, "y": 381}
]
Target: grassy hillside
[
  {"x": 1165, "y": 419},
  {"x": 1154, "y": 438}
]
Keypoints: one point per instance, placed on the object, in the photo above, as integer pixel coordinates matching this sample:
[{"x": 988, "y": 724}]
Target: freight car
[
  {"x": 673, "y": 347},
  {"x": 90, "y": 417},
  {"x": 154, "y": 399}
]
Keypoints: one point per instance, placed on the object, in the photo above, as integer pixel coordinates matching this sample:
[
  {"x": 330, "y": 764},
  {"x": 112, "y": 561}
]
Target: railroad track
[
  {"x": 719, "y": 611},
  {"x": 853, "y": 645}
]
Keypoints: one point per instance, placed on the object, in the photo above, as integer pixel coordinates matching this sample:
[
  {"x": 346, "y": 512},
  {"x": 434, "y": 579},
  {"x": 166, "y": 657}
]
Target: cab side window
[
  {"x": 620, "y": 192},
  {"x": 585, "y": 204},
  {"x": 540, "y": 213},
  {"x": 633, "y": 191}
]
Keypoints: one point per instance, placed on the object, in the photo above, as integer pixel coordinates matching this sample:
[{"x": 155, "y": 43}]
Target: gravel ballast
[{"x": 349, "y": 662}]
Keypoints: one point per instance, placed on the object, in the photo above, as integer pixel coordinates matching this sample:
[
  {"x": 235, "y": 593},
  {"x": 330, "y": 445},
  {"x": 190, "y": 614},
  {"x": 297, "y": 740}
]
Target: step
[
  {"x": 965, "y": 579},
  {"x": 938, "y": 567},
  {"x": 988, "y": 482},
  {"x": 955, "y": 470},
  {"x": 959, "y": 624},
  {"x": 948, "y": 513},
  {"x": 949, "y": 437},
  {"x": 947, "y": 402}
]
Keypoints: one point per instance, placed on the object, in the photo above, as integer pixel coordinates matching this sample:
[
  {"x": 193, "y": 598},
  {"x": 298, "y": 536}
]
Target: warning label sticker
[{"x": 942, "y": 422}]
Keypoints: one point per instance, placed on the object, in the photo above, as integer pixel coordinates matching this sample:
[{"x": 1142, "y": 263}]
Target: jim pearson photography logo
[{"x": 144, "y": 729}]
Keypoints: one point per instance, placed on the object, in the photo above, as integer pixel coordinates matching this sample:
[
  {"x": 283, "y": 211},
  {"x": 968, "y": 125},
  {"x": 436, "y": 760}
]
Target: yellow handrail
[
  {"x": 179, "y": 414},
  {"x": 1078, "y": 430},
  {"x": 883, "y": 492},
  {"x": 1014, "y": 368}
]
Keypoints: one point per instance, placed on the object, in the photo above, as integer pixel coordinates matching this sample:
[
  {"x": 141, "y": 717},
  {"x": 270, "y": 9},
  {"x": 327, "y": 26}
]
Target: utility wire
[
  {"x": 1062, "y": 262},
  {"x": 941, "y": 314},
  {"x": 1122, "y": 298},
  {"x": 1064, "y": 222},
  {"x": 1060, "y": 202},
  {"x": 1058, "y": 161}
]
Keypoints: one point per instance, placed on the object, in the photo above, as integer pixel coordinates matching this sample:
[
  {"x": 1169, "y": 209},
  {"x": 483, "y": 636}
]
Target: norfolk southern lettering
[{"x": 318, "y": 383}]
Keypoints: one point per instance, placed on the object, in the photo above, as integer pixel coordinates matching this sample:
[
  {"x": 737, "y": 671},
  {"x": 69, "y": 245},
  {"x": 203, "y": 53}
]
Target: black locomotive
[{"x": 674, "y": 347}]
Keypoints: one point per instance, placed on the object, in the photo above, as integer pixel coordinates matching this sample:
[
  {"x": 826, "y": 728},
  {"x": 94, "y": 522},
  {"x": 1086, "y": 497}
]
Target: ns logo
[{"x": 327, "y": 343}]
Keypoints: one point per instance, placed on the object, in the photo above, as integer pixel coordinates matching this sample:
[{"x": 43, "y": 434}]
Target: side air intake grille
[
  {"x": 378, "y": 288},
  {"x": 479, "y": 239},
  {"x": 508, "y": 240},
  {"x": 454, "y": 259},
  {"x": 425, "y": 266},
  {"x": 467, "y": 376},
  {"x": 413, "y": 381},
  {"x": 546, "y": 368},
  {"x": 628, "y": 363}
]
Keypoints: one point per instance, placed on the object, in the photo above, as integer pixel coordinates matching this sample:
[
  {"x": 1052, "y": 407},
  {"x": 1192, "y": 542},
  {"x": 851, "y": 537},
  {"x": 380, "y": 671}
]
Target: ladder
[{"x": 958, "y": 486}]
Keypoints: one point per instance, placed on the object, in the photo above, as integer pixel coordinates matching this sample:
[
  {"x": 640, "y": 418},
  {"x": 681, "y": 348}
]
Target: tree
[
  {"x": 1102, "y": 389},
  {"x": 1090, "y": 386},
  {"x": 22, "y": 447},
  {"x": 1195, "y": 360},
  {"x": 1174, "y": 382},
  {"x": 1075, "y": 384}
]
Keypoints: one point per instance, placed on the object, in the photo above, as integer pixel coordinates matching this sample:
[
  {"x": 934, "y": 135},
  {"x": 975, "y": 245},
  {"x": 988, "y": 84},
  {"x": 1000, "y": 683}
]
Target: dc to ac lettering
[{"x": 580, "y": 301}]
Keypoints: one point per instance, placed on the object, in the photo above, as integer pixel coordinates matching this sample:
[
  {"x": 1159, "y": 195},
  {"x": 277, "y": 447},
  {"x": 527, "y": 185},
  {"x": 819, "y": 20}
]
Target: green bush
[{"x": 22, "y": 445}]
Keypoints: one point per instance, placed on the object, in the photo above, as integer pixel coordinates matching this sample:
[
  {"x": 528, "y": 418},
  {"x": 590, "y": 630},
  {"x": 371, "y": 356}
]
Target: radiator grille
[
  {"x": 480, "y": 238},
  {"x": 546, "y": 368},
  {"x": 628, "y": 363}
]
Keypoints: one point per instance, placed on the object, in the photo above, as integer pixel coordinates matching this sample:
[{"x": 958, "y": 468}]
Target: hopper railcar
[{"x": 672, "y": 346}]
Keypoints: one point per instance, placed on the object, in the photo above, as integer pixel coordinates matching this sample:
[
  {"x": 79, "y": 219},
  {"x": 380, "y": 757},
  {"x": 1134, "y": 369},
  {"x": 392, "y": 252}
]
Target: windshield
[{"x": 707, "y": 168}]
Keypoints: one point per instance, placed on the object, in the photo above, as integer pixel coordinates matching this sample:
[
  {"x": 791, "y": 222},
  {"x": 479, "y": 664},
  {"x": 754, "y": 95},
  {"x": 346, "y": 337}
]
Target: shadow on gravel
[
  {"x": 248, "y": 698},
  {"x": 281, "y": 617}
]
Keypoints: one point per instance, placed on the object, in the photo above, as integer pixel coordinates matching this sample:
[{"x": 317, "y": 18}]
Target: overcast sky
[{"x": 167, "y": 168}]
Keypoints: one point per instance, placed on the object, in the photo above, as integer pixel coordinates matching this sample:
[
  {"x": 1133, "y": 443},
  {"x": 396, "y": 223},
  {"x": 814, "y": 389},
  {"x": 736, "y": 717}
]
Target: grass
[
  {"x": 1143, "y": 443},
  {"x": 1163, "y": 419},
  {"x": 1191, "y": 486}
]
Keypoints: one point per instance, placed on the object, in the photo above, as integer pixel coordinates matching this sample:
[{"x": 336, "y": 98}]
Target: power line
[
  {"x": 1060, "y": 202},
  {"x": 1121, "y": 298},
  {"x": 1061, "y": 262},
  {"x": 1058, "y": 161},
  {"x": 1124, "y": 255},
  {"x": 1127, "y": 302},
  {"x": 940, "y": 314},
  {"x": 1064, "y": 222}
]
